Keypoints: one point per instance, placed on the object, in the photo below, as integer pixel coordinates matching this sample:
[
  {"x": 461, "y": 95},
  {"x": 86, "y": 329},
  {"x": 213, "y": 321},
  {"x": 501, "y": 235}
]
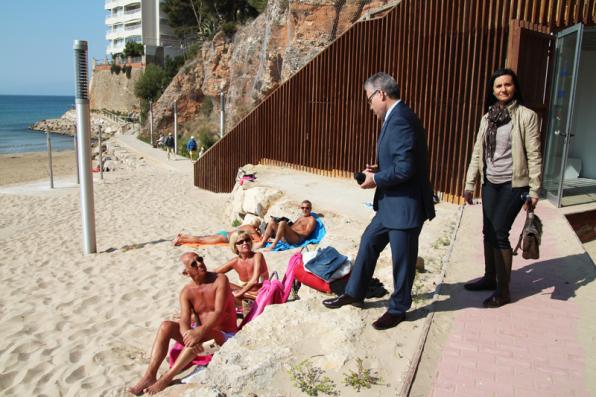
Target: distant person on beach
[
  {"x": 201, "y": 151},
  {"x": 221, "y": 237},
  {"x": 250, "y": 266},
  {"x": 209, "y": 297},
  {"x": 191, "y": 146},
  {"x": 169, "y": 144},
  {"x": 295, "y": 233},
  {"x": 403, "y": 201},
  {"x": 160, "y": 140}
]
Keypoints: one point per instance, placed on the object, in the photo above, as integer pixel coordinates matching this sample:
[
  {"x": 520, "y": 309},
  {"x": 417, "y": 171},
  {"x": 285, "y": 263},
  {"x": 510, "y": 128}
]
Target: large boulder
[{"x": 258, "y": 199}]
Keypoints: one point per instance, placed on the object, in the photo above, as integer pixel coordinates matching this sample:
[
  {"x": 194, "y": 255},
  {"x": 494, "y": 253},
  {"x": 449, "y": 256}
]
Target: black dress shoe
[
  {"x": 340, "y": 301},
  {"x": 482, "y": 284},
  {"x": 388, "y": 320},
  {"x": 496, "y": 301}
]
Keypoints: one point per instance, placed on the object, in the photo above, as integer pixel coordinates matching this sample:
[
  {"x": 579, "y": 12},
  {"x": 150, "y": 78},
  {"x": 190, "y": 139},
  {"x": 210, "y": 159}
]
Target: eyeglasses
[
  {"x": 240, "y": 242},
  {"x": 369, "y": 99}
]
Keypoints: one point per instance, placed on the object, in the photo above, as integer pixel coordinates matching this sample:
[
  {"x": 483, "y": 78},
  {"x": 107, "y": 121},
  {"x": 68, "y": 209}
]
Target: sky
[{"x": 37, "y": 55}]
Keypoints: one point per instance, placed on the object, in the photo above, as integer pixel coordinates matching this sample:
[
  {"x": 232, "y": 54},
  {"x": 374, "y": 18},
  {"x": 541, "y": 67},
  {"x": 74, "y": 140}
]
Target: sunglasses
[
  {"x": 304, "y": 208},
  {"x": 197, "y": 262},
  {"x": 240, "y": 242}
]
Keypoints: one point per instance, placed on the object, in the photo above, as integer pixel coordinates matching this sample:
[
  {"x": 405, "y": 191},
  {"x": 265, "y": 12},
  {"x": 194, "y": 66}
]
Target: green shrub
[
  {"x": 229, "y": 28},
  {"x": 207, "y": 139},
  {"x": 115, "y": 69},
  {"x": 362, "y": 378},
  {"x": 206, "y": 107},
  {"x": 133, "y": 49},
  {"x": 150, "y": 83},
  {"x": 310, "y": 379}
]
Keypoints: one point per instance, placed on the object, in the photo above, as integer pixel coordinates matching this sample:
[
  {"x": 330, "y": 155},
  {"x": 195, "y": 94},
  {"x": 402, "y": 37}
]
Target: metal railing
[{"x": 441, "y": 52}]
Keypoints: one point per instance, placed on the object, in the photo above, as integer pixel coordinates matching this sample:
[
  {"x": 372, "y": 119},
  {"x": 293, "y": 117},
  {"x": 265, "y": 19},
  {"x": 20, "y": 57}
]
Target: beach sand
[
  {"x": 25, "y": 167},
  {"x": 84, "y": 325}
]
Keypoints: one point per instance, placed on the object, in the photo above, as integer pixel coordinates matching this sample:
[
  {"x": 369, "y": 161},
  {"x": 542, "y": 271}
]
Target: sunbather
[
  {"x": 250, "y": 266},
  {"x": 208, "y": 296},
  {"x": 294, "y": 234},
  {"x": 221, "y": 237}
]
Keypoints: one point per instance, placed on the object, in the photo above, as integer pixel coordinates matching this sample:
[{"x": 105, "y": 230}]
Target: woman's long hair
[{"x": 490, "y": 98}]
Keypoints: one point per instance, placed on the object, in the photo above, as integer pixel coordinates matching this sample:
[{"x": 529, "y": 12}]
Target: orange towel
[{"x": 197, "y": 245}]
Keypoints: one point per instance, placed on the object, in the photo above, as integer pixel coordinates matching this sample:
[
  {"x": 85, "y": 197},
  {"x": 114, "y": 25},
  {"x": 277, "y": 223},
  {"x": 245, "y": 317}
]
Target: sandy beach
[
  {"x": 33, "y": 166},
  {"x": 83, "y": 325}
]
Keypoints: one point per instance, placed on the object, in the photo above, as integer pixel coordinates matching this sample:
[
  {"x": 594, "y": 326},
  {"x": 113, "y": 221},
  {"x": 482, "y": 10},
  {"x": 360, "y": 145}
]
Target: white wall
[{"x": 584, "y": 124}]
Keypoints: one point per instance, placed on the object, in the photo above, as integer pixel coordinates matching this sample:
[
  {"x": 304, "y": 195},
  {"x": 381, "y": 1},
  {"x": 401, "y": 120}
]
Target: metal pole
[
  {"x": 84, "y": 146},
  {"x": 151, "y": 120},
  {"x": 222, "y": 102},
  {"x": 77, "y": 155},
  {"x": 49, "y": 143},
  {"x": 100, "y": 154},
  {"x": 175, "y": 130}
]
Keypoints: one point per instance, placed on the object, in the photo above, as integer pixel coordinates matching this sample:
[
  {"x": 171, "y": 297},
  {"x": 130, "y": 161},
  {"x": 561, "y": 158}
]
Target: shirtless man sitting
[
  {"x": 250, "y": 266},
  {"x": 220, "y": 237},
  {"x": 207, "y": 296},
  {"x": 295, "y": 234}
]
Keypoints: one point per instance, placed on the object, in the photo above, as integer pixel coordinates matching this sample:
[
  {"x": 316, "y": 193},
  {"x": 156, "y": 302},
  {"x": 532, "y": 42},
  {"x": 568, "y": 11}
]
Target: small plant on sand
[
  {"x": 236, "y": 223},
  {"x": 311, "y": 380},
  {"x": 362, "y": 377}
]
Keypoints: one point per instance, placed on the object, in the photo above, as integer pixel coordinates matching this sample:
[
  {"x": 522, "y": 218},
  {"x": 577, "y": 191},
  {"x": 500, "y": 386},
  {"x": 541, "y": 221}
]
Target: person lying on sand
[
  {"x": 294, "y": 234},
  {"x": 220, "y": 237},
  {"x": 209, "y": 297},
  {"x": 250, "y": 266}
]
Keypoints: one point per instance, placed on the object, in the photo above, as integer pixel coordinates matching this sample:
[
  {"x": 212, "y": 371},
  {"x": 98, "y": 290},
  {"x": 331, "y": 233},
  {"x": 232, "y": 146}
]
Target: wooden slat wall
[{"x": 441, "y": 52}]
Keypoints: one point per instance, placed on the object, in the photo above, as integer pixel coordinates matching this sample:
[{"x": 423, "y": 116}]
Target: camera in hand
[
  {"x": 278, "y": 219},
  {"x": 360, "y": 177}
]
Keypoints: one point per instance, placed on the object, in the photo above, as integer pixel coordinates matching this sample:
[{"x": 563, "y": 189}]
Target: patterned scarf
[{"x": 497, "y": 116}]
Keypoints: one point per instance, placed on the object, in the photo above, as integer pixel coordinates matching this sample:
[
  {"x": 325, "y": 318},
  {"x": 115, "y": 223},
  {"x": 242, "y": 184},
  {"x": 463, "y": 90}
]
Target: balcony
[
  {"x": 110, "y": 4},
  {"x": 124, "y": 17}
]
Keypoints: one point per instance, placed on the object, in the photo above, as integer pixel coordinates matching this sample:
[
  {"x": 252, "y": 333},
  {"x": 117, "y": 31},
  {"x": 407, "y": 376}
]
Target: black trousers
[{"x": 500, "y": 205}]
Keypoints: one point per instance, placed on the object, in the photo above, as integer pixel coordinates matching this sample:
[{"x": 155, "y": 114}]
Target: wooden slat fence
[{"x": 441, "y": 52}]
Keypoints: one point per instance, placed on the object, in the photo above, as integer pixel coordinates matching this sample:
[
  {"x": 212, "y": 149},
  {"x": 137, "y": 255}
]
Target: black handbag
[{"x": 529, "y": 239}]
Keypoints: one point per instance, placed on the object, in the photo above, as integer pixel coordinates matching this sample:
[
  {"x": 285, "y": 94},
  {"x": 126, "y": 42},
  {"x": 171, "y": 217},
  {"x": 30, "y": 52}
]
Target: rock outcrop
[
  {"x": 66, "y": 125},
  {"x": 249, "y": 65}
]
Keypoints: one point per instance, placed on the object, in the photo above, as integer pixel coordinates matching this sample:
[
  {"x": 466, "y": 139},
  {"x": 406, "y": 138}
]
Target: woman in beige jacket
[{"x": 508, "y": 161}]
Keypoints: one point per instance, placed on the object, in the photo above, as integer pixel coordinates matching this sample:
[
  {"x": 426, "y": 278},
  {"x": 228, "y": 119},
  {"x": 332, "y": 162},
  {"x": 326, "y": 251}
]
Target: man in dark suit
[{"x": 403, "y": 201}]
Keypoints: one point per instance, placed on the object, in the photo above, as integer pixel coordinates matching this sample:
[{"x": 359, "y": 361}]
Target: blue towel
[{"x": 315, "y": 237}]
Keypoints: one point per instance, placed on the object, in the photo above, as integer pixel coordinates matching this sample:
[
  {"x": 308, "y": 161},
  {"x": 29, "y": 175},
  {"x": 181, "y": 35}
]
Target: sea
[{"x": 18, "y": 112}]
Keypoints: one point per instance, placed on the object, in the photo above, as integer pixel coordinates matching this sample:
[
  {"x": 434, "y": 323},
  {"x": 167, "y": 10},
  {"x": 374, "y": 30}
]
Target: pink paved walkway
[{"x": 542, "y": 344}]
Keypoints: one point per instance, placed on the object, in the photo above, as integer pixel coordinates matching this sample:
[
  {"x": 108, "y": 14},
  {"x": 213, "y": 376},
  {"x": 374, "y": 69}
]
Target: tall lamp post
[{"x": 84, "y": 146}]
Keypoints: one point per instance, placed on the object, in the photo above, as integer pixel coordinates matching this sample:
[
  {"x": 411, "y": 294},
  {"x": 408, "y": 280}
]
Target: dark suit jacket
[{"x": 404, "y": 197}]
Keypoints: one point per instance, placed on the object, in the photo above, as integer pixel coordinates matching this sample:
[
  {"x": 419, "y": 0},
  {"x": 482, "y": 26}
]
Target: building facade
[{"x": 139, "y": 21}]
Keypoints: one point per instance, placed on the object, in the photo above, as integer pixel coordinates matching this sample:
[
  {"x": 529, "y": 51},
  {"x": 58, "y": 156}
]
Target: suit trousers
[{"x": 404, "y": 252}]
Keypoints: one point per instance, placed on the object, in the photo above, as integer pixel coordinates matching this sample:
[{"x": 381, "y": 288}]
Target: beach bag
[{"x": 530, "y": 237}]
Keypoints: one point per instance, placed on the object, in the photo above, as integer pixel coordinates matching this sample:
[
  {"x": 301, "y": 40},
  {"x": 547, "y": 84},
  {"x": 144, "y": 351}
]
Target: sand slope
[{"x": 83, "y": 325}]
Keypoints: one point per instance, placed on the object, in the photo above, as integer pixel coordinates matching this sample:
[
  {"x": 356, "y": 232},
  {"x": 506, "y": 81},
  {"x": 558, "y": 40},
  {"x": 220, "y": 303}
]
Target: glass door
[{"x": 567, "y": 52}]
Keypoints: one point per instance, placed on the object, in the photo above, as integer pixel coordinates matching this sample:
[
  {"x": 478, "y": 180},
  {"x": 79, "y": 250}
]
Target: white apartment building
[{"x": 139, "y": 21}]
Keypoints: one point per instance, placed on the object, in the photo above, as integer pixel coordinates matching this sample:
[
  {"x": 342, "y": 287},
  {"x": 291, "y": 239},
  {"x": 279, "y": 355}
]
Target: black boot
[
  {"x": 503, "y": 261},
  {"x": 488, "y": 281}
]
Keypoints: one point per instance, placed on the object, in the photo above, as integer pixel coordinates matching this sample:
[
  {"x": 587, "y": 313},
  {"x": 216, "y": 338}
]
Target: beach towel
[
  {"x": 315, "y": 237},
  {"x": 274, "y": 291},
  {"x": 196, "y": 245},
  {"x": 198, "y": 360}
]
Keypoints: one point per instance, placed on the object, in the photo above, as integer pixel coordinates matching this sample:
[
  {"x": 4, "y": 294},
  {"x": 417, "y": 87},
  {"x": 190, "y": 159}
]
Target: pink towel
[
  {"x": 274, "y": 291},
  {"x": 198, "y": 360}
]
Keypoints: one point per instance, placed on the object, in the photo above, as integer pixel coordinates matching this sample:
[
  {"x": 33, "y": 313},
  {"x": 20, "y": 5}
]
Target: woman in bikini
[
  {"x": 221, "y": 237},
  {"x": 250, "y": 266}
]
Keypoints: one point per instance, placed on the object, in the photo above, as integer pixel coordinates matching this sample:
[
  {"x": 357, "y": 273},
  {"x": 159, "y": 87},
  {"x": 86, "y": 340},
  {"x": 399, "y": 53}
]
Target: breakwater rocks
[{"x": 67, "y": 125}]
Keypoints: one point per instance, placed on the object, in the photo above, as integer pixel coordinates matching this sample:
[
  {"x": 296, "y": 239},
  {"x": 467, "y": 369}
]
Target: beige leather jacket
[{"x": 525, "y": 149}]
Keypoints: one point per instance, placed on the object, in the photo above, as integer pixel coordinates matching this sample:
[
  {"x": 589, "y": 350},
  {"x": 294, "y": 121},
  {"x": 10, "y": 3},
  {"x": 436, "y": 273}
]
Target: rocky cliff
[{"x": 255, "y": 60}]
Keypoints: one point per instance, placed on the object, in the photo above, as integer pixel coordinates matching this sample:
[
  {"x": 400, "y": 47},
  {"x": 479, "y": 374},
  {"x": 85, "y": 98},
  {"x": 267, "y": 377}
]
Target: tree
[
  {"x": 150, "y": 84},
  {"x": 133, "y": 49}
]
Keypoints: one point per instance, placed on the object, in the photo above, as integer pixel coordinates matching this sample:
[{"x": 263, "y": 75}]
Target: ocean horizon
[{"x": 19, "y": 112}]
